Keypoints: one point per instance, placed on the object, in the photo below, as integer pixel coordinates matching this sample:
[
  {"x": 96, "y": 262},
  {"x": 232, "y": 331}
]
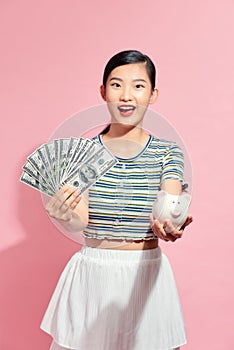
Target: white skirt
[{"x": 116, "y": 299}]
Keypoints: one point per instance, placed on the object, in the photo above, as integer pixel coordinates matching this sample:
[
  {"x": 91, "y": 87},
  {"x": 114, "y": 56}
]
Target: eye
[
  {"x": 115, "y": 85},
  {"x": 140, "y": 86}
]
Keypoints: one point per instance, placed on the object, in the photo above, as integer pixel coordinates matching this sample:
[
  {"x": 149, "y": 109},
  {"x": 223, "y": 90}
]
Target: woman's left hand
[{"x": 166, "y": 231}]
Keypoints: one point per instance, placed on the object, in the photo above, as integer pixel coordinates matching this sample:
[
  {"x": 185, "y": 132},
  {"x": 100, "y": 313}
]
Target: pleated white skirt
[
  {"x": 55, "y": 346},
  {"x": 116, "y": 300}
]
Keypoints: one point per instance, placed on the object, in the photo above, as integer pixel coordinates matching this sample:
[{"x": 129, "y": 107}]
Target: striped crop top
[{"x": 120, "y": 202}]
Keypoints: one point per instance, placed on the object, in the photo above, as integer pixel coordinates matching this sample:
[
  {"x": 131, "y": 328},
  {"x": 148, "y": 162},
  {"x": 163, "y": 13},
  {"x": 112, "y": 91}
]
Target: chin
[{"x": 128, "y": 124}]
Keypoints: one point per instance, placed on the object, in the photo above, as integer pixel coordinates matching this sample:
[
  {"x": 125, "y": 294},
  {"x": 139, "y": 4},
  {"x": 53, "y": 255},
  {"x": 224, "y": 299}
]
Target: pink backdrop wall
[{"x": 52, "y": 57}]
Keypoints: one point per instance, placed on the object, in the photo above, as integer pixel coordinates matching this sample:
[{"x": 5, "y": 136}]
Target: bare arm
[{"x": 172, "y": 186}]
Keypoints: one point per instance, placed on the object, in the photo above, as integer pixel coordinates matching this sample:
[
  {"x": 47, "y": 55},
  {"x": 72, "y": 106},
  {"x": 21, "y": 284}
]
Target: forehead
[{"x": 131, "y": 71}]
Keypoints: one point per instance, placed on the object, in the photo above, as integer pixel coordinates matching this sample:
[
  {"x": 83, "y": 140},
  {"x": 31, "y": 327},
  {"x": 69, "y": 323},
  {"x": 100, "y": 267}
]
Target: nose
[
  {"x": 126, "y": 94},
  {"x": 175, "y": 213}
]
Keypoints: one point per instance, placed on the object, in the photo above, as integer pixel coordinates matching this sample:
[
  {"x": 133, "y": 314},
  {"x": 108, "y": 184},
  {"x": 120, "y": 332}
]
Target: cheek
[
  {"x": 111, "y": 96},
  {"x": 144, "y": 98}
]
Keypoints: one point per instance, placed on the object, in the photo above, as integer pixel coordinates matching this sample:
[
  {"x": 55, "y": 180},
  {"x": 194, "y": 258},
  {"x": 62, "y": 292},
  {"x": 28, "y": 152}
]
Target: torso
[
  {"x": 132, "y": 186},
  {"x": 133, "y": 148},
  {"x": 121, "y": 245}
]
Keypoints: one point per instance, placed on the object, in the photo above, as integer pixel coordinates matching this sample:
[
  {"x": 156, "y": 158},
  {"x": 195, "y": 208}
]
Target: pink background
[{"x": 52, "y": 57}]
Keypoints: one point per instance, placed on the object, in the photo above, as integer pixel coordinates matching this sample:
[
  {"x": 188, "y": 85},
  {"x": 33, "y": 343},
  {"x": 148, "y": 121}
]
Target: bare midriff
[{"x": 121, "y": 244}]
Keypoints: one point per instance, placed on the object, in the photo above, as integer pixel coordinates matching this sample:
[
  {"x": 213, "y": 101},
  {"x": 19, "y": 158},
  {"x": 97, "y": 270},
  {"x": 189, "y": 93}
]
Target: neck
[
  {"x": 125, "y": 142},
  {"x": 126, "y": 132}
]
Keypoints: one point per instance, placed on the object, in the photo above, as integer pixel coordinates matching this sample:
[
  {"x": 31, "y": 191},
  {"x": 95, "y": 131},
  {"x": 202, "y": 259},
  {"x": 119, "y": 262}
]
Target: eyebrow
[{"x": 119, "y": 79}]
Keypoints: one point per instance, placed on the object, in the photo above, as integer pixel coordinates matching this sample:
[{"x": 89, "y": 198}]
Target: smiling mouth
[{"x": 126, "y": 110}]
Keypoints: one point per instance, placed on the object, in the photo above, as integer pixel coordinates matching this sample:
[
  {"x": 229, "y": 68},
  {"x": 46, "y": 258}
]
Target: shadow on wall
[{"x": 29, "y": 273}]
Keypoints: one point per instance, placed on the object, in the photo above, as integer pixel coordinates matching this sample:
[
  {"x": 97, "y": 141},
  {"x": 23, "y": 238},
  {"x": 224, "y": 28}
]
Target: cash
[{"x": 76, "y": 161}]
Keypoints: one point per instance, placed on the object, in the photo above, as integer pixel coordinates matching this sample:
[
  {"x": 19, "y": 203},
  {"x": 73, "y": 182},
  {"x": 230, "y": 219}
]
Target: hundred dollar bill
[
  {"x": 63, "y": 160},
  {"x": 31, "y": 181},
  {"x": 33, "y": 172},
  {"x": 40, "y": 162},
  {"x": 76, "y": 161},
  {"x": 57, "y": 167},
  {"x": 51, "y": 162},
  {"x": 90, "y": 150},
  {"x": 76, "y": 151},
  {"x": 87, "y": 149},
  {"x": 73, "y": 144},
  {"x": 88, "y": 172},
  {"x": 42, "y": 154}
]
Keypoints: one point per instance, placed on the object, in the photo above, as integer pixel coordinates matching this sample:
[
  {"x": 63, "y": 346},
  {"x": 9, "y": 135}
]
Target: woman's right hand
[
  {"x": 69, "y": 208},
  {"x": 63, "y": 203}
]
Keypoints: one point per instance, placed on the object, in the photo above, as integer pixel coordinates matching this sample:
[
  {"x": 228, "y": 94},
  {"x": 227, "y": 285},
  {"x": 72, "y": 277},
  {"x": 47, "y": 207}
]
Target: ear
[
  {"x": 154, "y": 96},
  {"x": 161, "y": 194},
  {"x": 103, "y": 92},
  {"x": 186, "y": 196}
]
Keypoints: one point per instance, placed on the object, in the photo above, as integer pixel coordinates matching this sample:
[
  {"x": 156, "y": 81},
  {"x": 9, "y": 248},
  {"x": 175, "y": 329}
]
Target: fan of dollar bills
[{"x": 75, "y": 161}]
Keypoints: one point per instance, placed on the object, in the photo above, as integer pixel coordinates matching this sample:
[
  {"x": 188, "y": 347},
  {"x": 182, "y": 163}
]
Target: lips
[{"x": 126, "y": 110}]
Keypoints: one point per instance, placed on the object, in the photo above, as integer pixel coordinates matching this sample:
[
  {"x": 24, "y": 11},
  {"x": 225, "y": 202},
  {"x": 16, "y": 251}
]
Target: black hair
[{"x": 129, "y": 57}]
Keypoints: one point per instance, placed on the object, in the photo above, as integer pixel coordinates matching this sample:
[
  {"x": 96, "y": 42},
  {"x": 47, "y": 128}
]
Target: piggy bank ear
[
  {"x": 161, "y": 194},
  {"x": 186, "y": 196}
]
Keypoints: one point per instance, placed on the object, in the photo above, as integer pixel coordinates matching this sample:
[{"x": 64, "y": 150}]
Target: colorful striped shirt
[{"x": 121, "y": 201}]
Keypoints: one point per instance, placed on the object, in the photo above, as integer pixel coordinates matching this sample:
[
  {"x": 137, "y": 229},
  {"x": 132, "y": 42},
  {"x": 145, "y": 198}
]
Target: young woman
[{"x": 118, "y": 292}]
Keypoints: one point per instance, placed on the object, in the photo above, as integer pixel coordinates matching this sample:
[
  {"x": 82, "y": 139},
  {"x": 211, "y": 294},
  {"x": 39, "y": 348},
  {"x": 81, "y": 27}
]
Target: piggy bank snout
[
  {"x": 176, "y": 212},
  {"x": 177, "y": 208},
  {"x": 172, "y": 207}
]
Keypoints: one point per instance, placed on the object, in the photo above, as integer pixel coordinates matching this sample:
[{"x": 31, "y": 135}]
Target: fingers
[
  {"x": 171, "y": 231},
  {"x": 187, "y": 222},
  {"x": 166, "y": 231},
  {"x": 71, "y": 198},
  {"x": 63, "y": 203},
  {"x": 158, "y": 229}
]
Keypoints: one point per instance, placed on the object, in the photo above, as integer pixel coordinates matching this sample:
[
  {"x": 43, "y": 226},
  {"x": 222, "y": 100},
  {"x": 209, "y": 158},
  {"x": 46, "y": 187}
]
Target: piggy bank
[{"x": 172, "y": 207}]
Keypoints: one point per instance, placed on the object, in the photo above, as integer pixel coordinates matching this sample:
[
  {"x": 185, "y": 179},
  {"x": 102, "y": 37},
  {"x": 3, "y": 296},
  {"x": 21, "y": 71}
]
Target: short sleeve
[{"x": 173, "y": 164}]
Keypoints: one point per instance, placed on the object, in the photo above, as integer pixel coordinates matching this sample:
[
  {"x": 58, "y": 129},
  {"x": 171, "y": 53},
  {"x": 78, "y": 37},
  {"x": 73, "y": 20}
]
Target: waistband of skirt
[{"x": 128, "y": 255}]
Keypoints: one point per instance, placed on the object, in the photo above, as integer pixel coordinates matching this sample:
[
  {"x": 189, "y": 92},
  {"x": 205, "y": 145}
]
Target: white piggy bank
[{"x": 172, "y": 207}]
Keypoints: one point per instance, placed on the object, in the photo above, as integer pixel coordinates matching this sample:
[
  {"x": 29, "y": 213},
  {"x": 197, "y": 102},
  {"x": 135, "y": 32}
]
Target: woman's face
[{"x": 128, "y": 93}]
